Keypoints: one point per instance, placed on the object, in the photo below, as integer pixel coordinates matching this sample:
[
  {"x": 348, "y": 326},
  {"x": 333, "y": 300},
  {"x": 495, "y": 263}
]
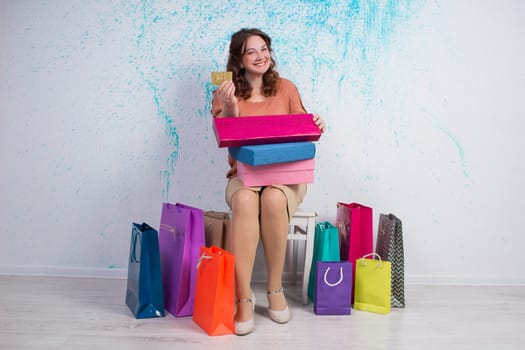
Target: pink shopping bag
[{"x": 354, "y": 222}]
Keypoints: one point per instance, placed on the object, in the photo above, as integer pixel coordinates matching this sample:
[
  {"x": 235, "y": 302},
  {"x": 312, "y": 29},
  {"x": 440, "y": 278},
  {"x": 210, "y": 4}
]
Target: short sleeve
[{"x": 296, "y": 104}]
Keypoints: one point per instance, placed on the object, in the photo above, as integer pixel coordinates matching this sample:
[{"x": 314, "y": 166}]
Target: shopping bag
[
  {"x": 214, "y": 296},
  {"x": 181, "y": 235},
  {"x": 216, "y": 228},
  {"x": 144, "y": 285},
  {"x": 265, "y": 129},
  {"x": 273, "y": 153},
  {"x": 296, "y": 172},
  {"x": 372, "y": 288},
  {"x": 326, "y": 248},
  {"x": 354, "y": 222},
  {"x": 389, "y": 245},
  {"x": 333, "y": 288},
  {"x": 342, "y": 222}
]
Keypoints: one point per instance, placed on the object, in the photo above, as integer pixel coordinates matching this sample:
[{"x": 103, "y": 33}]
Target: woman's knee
[
  {"x": 245, "y": 200},
  {"x": 273, "y": 200}
]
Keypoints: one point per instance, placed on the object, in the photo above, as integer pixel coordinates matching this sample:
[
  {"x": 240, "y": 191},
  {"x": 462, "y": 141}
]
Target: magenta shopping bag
[
  {"x": 181, "y": 234},
  {"x": 333, "y": 288},
  {"x": 354, "y": 222}
]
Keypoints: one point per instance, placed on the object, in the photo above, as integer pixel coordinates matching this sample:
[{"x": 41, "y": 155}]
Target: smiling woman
[
  {"x": 257, "y": 89},
  {"x": 256, "y": 61},
  {"x": 254, "y": 77}
]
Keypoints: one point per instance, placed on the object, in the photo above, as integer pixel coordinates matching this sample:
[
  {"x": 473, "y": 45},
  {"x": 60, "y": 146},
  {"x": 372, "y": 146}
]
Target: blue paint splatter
[
  {"x": 367, "y": 34},
  {"x": 144, "y": 63},
  {"x": 361, "y": 31},
  {"x": 457, "y": 144}
]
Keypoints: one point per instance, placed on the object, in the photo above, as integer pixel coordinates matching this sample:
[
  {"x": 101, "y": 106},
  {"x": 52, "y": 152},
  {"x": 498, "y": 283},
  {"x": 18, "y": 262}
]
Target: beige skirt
[{"x": 294, "y": 193}]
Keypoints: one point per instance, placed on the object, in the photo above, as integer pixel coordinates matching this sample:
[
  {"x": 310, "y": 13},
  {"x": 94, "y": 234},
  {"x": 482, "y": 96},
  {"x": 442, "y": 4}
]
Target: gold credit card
[{"x": 218, "y": 77}]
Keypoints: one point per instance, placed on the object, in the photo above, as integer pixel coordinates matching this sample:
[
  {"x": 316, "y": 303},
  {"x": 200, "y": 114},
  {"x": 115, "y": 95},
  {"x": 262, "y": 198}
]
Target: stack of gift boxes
[{"x": 276, "y": 149}]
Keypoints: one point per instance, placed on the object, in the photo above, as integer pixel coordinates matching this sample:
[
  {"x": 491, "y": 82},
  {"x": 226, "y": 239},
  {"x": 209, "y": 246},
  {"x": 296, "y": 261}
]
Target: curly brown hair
[{"x": 237, "y": 49}]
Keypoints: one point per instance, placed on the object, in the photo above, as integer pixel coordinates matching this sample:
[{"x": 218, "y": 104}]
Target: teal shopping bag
[
  {"x": 144, "y": 286},
  {"x": 326, "y": 248}
]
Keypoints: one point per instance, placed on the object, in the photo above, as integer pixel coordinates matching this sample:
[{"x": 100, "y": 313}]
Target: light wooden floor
[{"x": 76, "y": 313}]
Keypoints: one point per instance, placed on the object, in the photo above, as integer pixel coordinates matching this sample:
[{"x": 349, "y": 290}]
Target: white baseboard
[
  {"x": 258, "y": 277},
  {"x": 466, "y": 280},
  {"x": 62, "y": 271}
]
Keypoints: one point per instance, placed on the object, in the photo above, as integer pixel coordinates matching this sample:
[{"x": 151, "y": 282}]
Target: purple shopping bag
[
  {"x": 333, "y": 288},
  {"x": 181, "y": 234}
]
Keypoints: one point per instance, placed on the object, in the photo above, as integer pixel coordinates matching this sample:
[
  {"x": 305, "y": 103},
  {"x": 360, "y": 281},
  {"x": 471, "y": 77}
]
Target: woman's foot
[
  {"x": 277, "y": 306},
  {"x": 244, "y": 315}
]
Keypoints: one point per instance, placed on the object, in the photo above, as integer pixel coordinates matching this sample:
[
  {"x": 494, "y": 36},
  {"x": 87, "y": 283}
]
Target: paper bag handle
[
  {"x": 336, "y": 283},
  {"x": 372, "y": 254},
  {"x": 133, "y": 257},
  {"x": 202, "y": 257}
]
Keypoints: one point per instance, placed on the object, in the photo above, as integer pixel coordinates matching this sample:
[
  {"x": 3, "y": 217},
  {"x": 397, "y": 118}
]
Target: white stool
[{"x": 302, "y": 228}]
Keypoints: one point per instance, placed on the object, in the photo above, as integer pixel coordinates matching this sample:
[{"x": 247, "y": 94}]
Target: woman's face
[{"x": 256, "y": 58}]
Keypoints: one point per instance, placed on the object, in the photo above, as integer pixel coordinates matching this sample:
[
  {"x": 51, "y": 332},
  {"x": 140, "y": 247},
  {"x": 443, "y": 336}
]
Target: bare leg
[
  {"x": 274, "y": 234},
  {"x": 244, "y": 241}
]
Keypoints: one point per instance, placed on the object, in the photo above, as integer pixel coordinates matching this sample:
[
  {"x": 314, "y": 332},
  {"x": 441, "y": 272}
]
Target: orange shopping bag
[{"x": 214, "y": 295}]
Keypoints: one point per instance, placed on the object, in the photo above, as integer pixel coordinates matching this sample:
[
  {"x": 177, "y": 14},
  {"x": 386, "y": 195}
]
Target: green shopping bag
[{"x": 326, "y": 248}]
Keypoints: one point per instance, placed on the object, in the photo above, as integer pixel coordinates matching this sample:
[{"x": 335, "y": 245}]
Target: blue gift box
[{"x": 273, "y": 153}]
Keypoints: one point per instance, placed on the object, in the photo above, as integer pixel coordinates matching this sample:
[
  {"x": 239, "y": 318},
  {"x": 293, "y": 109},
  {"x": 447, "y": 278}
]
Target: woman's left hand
[{"x": 320, "y": 123}]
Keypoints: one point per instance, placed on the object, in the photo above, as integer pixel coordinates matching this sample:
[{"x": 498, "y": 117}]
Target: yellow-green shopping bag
[{"x": 373, "y": 284}]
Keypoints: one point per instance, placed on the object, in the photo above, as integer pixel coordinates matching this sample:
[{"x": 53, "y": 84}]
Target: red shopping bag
[{"x": 214, "y": 296}]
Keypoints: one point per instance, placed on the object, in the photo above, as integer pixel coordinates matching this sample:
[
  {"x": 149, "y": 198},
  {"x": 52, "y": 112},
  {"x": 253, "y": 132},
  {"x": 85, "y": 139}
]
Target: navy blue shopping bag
[{"x": 144, "y": 291}]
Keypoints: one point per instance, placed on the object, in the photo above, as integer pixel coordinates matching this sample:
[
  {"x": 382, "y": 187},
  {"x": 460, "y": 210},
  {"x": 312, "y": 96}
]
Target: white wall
[{"x": 104, "y": 114}]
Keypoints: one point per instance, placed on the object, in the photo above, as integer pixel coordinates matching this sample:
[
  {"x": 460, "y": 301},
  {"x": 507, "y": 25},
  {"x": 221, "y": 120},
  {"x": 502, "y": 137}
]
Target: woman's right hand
[{"x": 226, "y": 93}]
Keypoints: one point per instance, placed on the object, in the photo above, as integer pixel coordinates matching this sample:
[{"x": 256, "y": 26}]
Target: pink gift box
[
  {"x": 257, "y": 130},
  {"x": 297, "y": 172}
]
